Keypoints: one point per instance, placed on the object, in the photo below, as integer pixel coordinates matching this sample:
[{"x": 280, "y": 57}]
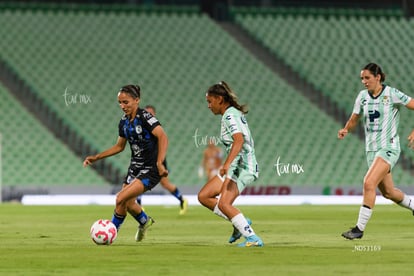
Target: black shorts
[{"x": 149, "y": 177}]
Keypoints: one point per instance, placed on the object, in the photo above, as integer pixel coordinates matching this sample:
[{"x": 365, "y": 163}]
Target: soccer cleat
[
  {"x": 183, "y": 206},
  {"x": 142, "y": 229},
  {"x": 353, "y": 233},
  {"x": 236, "y": 233},
  {"x": 252, "y": 241}
]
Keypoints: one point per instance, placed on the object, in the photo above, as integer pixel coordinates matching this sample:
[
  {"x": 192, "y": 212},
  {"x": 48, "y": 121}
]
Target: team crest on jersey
[
  {"x": 138, "y": 129},
  {"x": 385, "y": 100}
]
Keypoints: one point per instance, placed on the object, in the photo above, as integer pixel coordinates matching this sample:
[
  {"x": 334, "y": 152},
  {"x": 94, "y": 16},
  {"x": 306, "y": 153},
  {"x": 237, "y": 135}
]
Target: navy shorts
[{"x": 149, "y": 177}]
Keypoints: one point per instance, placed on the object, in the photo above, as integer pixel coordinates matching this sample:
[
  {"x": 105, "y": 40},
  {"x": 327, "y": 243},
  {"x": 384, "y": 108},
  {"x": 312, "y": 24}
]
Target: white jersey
[
  {"x": 381, "y": 117},
  {"x": 233, "y": 121}
]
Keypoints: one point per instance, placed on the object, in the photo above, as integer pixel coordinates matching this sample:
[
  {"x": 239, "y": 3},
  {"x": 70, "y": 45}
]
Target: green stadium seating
[
  {"x": 32, "y": 156},
  {"x": 175, "y": 57},
  {"x": 329, "y": 52}
]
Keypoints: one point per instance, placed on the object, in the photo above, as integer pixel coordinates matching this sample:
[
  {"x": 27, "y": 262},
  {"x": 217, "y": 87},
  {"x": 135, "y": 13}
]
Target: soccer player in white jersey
[
  {"x": 378, "y": 105},
  {"x": 240, "y": 167}
]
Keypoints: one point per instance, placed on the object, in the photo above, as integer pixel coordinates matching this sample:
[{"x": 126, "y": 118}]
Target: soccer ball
[{"x": 103, "y": 232}]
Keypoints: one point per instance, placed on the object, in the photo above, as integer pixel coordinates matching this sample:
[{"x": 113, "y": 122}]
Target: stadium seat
[
  {"x": 175, "y": 57},
  {"x": 32, "y": 156},
  {"x": 329, "y": 50}
]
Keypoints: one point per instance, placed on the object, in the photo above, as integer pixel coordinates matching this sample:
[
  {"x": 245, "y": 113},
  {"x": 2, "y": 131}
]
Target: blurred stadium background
[{"x": 296, "y": 63}]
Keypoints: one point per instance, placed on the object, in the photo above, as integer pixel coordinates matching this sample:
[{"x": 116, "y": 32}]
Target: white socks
[
  {"x": 365, "y": 213},
  {"x": 407, "y": 203},
  {"x": 240, "y": 222},
  {"x": 363, "y": 218},
  {"x": 219, "y": 213}
]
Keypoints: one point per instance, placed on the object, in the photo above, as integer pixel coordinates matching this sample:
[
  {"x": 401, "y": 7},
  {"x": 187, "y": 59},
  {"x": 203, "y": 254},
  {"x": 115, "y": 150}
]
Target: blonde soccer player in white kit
[
  {"x": 239, "y": 169},
  {"x": 378, "y": 105}
]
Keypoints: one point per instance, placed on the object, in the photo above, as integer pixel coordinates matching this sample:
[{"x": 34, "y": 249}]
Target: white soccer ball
[{"x": 103, "y": 232}]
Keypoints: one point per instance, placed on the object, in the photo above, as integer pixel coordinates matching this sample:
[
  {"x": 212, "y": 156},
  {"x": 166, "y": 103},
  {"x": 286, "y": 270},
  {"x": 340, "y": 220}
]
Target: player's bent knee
[
  {"x": 369, "y": 186},
  {"x": 201, "y": 198},
  {"x": 392, "y": 195},
  {"x": 386, "y": 195},
  {"x": 119, "y": 200}
]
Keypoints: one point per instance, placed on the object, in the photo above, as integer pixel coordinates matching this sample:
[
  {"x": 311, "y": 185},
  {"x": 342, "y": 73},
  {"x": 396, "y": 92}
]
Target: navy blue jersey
[{"x": 143, "y": 144}]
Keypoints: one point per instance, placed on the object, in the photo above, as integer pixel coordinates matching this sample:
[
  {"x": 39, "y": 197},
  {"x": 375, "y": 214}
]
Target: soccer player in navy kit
[
  {"x": 165, "y": 182},
  {"x": 148, "y": 143}
]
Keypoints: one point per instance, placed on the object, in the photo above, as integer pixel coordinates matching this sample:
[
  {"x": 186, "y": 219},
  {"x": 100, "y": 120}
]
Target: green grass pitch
[{"x": 299, "y": 240}]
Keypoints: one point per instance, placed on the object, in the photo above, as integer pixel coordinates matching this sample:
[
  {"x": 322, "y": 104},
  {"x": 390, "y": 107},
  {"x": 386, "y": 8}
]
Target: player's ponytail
[{"x": 224, "y": 90}]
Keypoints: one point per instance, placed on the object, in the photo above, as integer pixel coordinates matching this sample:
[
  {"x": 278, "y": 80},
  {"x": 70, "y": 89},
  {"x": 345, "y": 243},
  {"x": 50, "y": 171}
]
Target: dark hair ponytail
[
  {"x": 132, "y": 89},
  {"x": 375, "y": 69},
  {"x": 224, "y": 90}
]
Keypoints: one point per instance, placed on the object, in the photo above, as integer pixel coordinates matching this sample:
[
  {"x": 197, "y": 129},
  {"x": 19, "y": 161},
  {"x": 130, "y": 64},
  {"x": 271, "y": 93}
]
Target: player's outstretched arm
[
  {"x": 410, "y": 104},
  {"x": 349, "y": 126},
  {"x": 117, "y": 148}
]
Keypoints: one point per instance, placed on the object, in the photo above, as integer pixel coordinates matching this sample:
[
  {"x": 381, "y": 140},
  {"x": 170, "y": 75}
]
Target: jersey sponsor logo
[
  {"x": 363, "y": 102},
  {"x": 138, "y": 129},
  {"x": 152, "y": 121},
  {"x": 136, "y": 150},
  {"x": 233, "y": 127},
  {"x": 373, "y": 114},
  {"x": 372, "y": 129},
  {"x": 388, "y": 153}
]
